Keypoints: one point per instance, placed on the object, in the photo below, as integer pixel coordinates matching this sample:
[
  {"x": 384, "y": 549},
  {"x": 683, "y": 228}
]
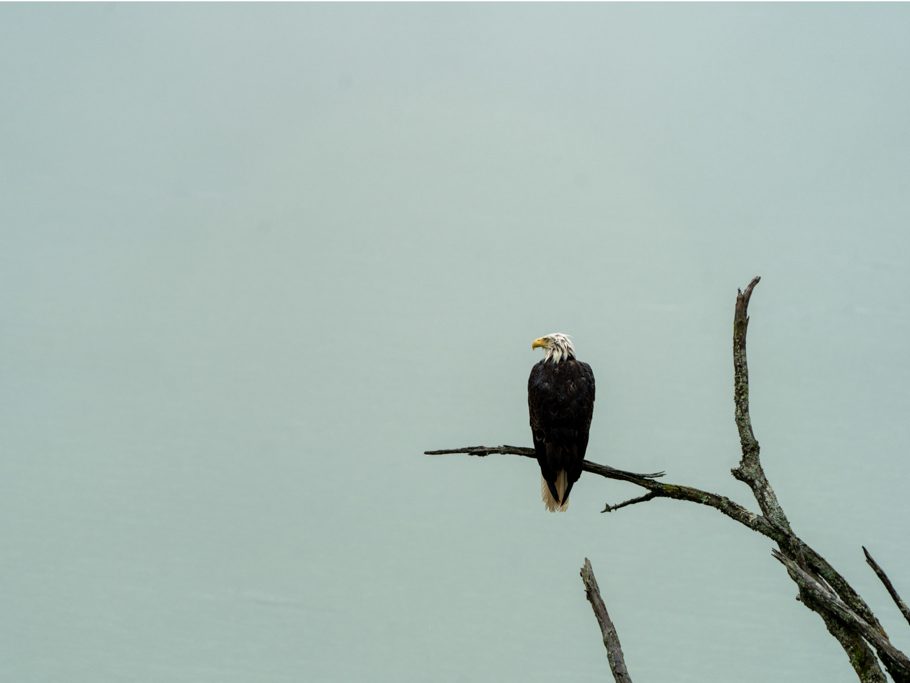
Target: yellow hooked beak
[{"x": 539, "y": 344}]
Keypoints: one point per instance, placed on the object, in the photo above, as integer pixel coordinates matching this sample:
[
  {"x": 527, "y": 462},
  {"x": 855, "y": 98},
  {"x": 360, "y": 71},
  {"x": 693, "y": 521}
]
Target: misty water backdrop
[{"x": 254, "y": 259}]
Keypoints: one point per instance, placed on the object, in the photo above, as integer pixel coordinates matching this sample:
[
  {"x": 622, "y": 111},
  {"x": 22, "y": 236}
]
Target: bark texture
[{"x": 607, "y": 629}]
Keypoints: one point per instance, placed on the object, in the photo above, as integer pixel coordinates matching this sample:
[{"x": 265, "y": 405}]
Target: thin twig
[
  {"x": 607, "y": 629},
  {"x": 880, "y": 573},
  {"x": 632, "y": 501}
]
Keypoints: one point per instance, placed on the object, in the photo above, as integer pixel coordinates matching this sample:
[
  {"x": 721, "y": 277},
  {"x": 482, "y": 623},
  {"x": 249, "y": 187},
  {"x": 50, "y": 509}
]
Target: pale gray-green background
[{"x": 255, "y": 259}]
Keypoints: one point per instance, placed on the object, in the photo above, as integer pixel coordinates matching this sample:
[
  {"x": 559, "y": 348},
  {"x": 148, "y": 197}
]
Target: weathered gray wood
[
  {"x": 750, "y": 469},
  {"x": 607, "y": 629},
  {"x": 822, "y": 589},
  {"x": 825, "y": 599},
  {"x": 880, "y": 573}
]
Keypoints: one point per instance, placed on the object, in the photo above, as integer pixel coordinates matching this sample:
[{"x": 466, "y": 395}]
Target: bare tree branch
[
  {"x": 880, "y": 573},
  {"x": 821, "y": 588},
  {"x": 647, "y": 481},
  {"x": 862, "y": 658},
  {"x": 896, "y": 662},
  {"x": 749, "y": 469},
  {"x": 751, "y": 472},
  {"x": 602, "y": 470},
  {"x": 833, "y": 578},
  {"x": 483, "y": 451},
  {"x": 632, "y": 501},
  {"x": 607, "y": 629}
]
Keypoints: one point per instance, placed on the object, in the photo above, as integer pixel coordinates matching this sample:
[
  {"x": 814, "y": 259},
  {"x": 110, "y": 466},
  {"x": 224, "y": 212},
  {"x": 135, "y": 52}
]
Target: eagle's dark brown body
[{"x": 560, "y": 402}]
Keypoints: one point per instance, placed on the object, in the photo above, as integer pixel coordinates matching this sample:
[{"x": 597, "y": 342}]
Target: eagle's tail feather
[{"x": 556, "y": 500}]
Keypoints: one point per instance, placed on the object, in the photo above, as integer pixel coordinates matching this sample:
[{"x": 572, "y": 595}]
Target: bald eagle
[{"x": 560, "y": 403}]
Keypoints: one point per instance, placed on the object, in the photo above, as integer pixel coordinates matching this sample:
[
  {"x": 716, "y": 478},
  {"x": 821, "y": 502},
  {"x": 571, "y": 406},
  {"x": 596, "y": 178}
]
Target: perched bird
[{"x": 560, "y": 403}]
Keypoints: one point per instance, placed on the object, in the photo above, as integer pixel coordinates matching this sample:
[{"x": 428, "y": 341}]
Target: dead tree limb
[
  {"x": 607, "y": 629},
  {"x": 647, "y": 481},
  {"x": 594, "y": 468},
  {"x": 822, "y": 589},
  {"x": 632, "y": 501},
  {"x": 880, "y": 573},
  {"x": 897, "y": 663},
  {"x": 751, "y": 472},
  {"x": 749, "y": 469}
]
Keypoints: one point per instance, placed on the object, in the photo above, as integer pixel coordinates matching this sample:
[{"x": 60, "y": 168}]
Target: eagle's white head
[{"x": 557, "y": 346}]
